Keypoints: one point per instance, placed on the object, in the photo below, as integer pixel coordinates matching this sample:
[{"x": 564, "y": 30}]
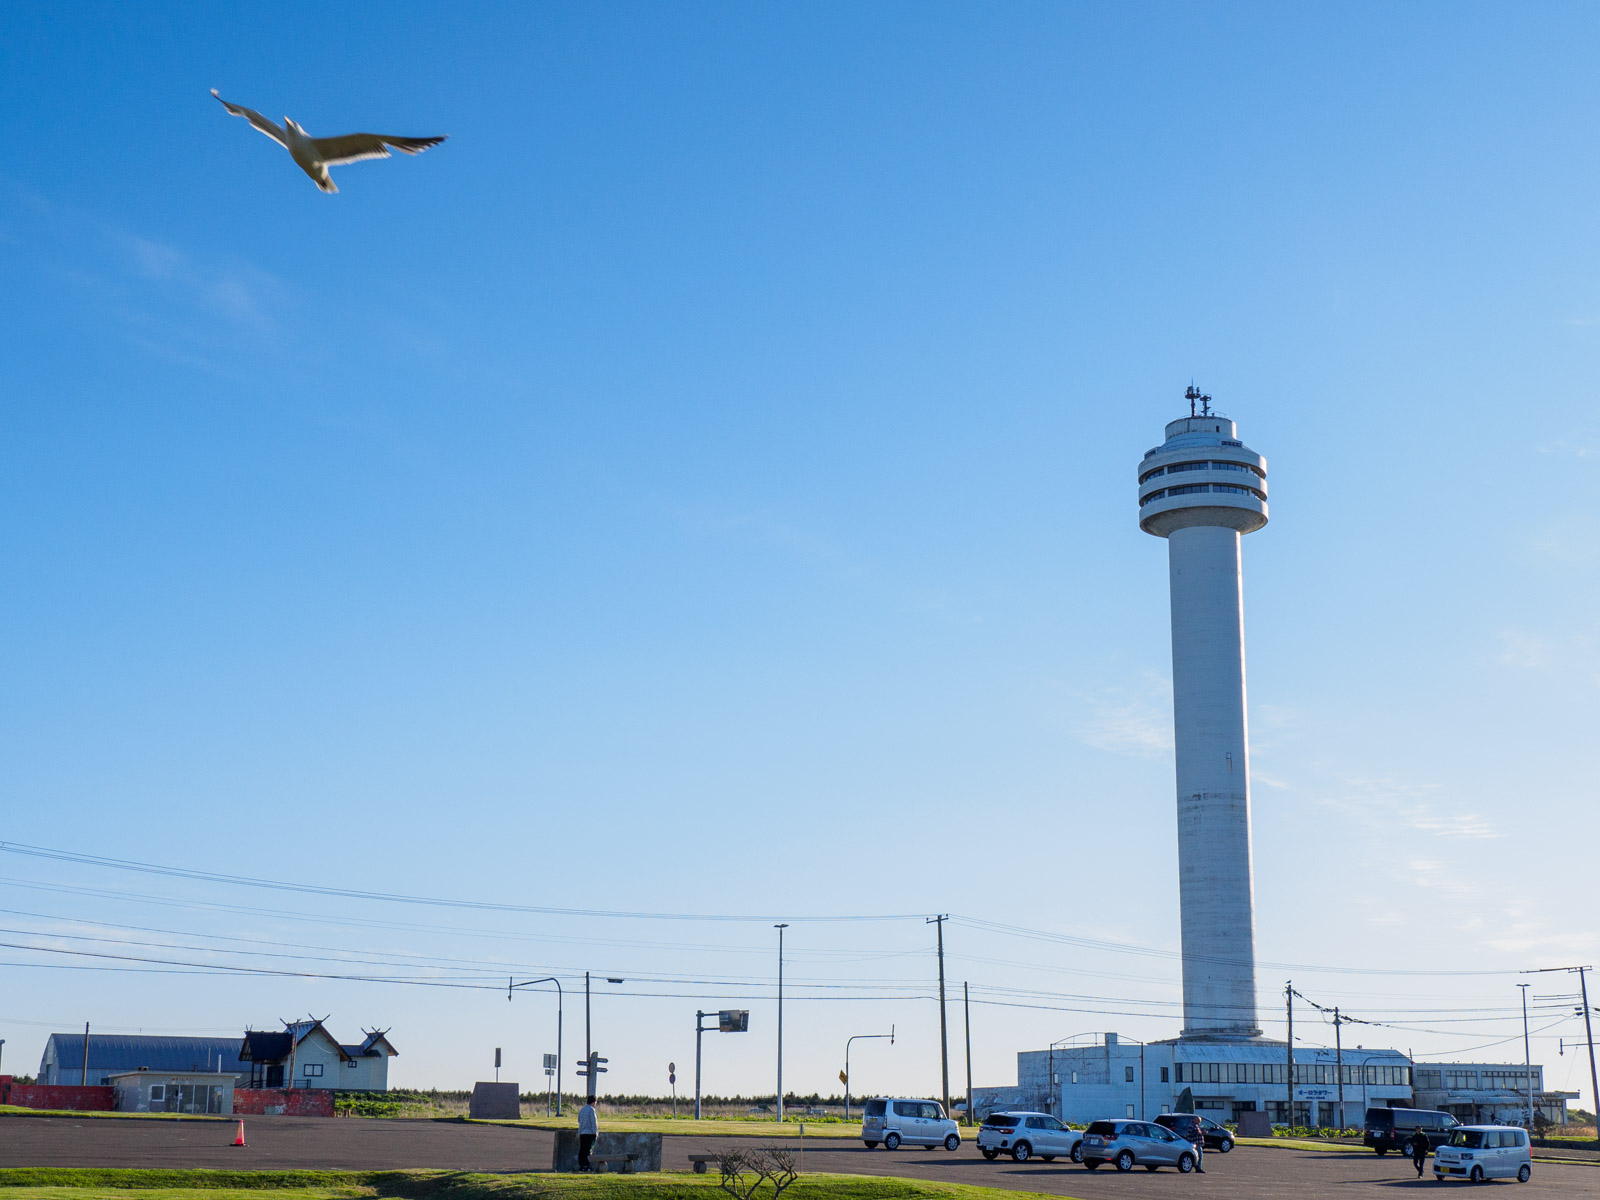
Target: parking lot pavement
[
  {"x": 272, "y": 1143},
  {"x": 277, "y": 1143},
  {"x": 1247, "y": 1173}
]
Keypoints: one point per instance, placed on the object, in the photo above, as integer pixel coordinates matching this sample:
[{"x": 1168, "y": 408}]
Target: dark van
[{"x": 1387, "y": 1129}]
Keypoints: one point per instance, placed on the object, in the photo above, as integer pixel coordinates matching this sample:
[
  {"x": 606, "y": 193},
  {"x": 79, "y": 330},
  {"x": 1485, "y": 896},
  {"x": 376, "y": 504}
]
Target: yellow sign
[{"x": 844, "y": 1079}]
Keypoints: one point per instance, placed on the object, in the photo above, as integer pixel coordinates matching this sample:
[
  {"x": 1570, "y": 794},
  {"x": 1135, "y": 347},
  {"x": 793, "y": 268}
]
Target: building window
[
  {"x": 1127, "y": 1074},
  {"x": 1166, "y": 1108},
  {"x": 1130, "y": 1110},
  {"x": 1164, "y": 1079},
  {"x": 311, "y": 1070},
  {"x": 349, "y": 1062},
  {"x": 158, "y": 1093},
  {"x": 1074, "y": 1077}
]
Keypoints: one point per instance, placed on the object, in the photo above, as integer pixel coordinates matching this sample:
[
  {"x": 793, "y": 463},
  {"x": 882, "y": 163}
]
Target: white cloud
[{"x": 1137, "y": 723}]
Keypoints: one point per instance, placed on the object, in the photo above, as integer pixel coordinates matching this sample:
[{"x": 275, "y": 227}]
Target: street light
[
  {"x": 560, "y": 1004},
  {"x": 847, "y": 1041},
  {"x": 780, "y": 928}
]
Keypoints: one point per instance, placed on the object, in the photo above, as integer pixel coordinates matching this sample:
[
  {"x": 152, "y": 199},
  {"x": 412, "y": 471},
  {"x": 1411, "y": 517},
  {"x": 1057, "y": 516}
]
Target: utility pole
[
  {"x": 588, "y": 1046},
  {"x": 1338, "y": 1056},
  {"x": 780, "y": 929},
  {"x": 85, "y": 1079},
  {"x": 1588, "y": 1028},
  {"x": 944, "y": 1037},
  {"x": 1527, "y": 1054},
  {"x": 1288, "y": 996},
  {"x": 966, "y": 1004}
]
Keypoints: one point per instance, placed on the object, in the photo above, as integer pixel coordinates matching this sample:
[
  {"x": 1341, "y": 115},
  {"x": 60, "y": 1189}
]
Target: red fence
[
  {"x": 56, "y": 1096},
  {"x": 294, "y": 1102}
]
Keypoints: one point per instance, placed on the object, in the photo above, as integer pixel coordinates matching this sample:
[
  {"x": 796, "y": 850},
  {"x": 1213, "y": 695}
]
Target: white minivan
[
  {"x": 895, "y": 1122},
  {"x": 1479, "y": 1152}
]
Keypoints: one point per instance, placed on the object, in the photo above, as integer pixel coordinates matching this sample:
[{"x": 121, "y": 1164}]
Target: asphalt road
[{"x": 1249, "y": 1173}]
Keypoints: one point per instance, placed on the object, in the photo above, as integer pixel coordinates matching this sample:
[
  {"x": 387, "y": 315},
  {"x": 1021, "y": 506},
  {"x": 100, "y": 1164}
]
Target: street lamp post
[
  {"x": 560, "y": 1004},
  {"x": 780, "y": 928},
  {"x": 847, "y": 1041}
]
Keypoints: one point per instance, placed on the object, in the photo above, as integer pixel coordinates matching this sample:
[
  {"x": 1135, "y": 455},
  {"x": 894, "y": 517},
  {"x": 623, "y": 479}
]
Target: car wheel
[
  {"x": 1524, "y": 1173},
  {"x": 1227, "y": 1144},
  {"x": 953, "y": 1142},
  {"x": 1077, "y": 1152},
  {"x": 871, "y": 1145},
  {"x": 991, "y": 1155},
  {"x": 1125, "y": 1161},
  {"x": 892, "y": 1142},
  {"x": 1477, "y": 1175},
  {"x": 1092, "y": 1164},
  {"x": 1185, "y": 1163},
  {"x": 1022, "y": 1152}
]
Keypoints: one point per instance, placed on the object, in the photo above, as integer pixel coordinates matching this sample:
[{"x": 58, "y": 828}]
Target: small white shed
[{"x": 198, "y": 1092}]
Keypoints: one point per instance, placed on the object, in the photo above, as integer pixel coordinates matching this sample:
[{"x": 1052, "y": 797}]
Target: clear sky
[{"x": 706, "y": 485}]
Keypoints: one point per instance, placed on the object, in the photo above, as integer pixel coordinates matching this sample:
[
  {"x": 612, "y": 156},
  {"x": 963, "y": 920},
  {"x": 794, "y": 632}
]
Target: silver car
[
  {"x": 1026, "y": 1135},
  {"x": 1479, "y": 1152},
  {"x": 1135, "y": 1143}
]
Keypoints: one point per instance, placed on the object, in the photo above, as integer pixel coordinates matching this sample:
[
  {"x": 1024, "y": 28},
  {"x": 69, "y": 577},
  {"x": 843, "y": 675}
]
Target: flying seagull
[{"x": 315, "y": 155}]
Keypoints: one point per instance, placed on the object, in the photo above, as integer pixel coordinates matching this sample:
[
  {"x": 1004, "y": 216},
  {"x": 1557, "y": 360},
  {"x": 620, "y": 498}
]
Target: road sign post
[{"x": 591, "y": 1070}]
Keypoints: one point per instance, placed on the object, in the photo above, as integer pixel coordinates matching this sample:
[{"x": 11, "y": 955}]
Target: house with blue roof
[{"x": 304, "y": 1054}]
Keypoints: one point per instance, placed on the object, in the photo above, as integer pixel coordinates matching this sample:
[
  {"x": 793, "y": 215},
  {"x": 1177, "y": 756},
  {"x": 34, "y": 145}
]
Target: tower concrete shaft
[{"x": 1201, "y": 489}]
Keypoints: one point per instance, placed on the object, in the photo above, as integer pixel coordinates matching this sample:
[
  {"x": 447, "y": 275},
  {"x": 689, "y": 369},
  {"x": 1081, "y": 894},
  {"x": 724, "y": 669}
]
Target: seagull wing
[
  {"x": 357, "y": 147},
  {"x": 274, "y": 132}
]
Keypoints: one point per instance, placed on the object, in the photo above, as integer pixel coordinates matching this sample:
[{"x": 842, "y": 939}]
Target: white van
[
  {"x": 1479, "y": 1152},
  {"x": 896, "y": 1122}
]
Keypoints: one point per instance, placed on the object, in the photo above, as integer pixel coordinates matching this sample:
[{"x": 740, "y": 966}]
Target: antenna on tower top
[{"x": 1194, "y": 394}]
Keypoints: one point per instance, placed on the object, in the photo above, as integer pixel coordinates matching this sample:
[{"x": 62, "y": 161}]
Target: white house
[{"x": 306, "y": 1055}]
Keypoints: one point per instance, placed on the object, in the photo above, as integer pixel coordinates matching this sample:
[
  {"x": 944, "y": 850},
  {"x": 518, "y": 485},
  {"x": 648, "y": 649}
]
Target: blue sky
[{"x": 705, "y": 484}]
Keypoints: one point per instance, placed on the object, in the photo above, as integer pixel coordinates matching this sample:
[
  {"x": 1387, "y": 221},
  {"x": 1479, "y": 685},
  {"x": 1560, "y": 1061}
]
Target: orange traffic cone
[{"x": 238, "y": 1139}]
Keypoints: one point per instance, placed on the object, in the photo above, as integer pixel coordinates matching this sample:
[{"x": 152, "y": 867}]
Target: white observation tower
[{"x": 1200, "y": 489}]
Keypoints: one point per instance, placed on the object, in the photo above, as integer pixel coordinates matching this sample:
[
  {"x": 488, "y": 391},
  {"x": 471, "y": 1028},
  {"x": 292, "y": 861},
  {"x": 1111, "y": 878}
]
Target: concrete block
[
  {"x": 495, "y": 1102},
  {"x": 645, "y": 1148}
]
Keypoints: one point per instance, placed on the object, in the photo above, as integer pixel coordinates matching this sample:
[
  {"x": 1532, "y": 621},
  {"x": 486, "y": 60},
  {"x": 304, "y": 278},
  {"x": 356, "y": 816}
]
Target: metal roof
[{"x": 116, "y": 1052}]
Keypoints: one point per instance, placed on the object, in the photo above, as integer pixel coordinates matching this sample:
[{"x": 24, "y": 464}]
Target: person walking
[
  {"x": 1419, "y": 1150},
  {"x": 1199, "y": 1146},
  {"x": 588, "y": 1130}
]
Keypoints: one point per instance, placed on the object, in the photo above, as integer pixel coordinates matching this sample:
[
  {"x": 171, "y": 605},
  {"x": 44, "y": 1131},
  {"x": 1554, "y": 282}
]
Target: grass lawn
[
  {"x": 65, "y": 1183},
  {"x": 709, "y": 1128}
]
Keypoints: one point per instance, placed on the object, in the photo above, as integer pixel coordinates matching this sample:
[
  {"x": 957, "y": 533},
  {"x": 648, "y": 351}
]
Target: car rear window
[
  {"x": 1380, "y": 1116},
  {"x": 1102, "y": 1127},
  {"x": 875, "y": 1108},
  {"x": 1000, "y": 1119}
]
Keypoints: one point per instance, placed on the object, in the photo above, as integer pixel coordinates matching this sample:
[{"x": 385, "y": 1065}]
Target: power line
[{"x": 312, "y": 889}]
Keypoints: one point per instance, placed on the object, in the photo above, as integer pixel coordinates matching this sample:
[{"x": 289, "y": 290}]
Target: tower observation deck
[{"x": 1200, "y": 489}]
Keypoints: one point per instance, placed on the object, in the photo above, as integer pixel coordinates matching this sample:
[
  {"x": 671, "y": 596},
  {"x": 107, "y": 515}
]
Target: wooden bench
[
  {"x": 623, "y": 1162},
  {"x": 700, "y": 1161}
]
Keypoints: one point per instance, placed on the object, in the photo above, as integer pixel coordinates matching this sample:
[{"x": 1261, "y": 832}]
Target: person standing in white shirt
[{"x": 588, "y": 1130}]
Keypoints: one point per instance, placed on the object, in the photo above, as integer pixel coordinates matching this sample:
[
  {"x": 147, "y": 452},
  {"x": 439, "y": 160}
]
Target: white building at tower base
[{"x": 1103, "y": 1076}]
